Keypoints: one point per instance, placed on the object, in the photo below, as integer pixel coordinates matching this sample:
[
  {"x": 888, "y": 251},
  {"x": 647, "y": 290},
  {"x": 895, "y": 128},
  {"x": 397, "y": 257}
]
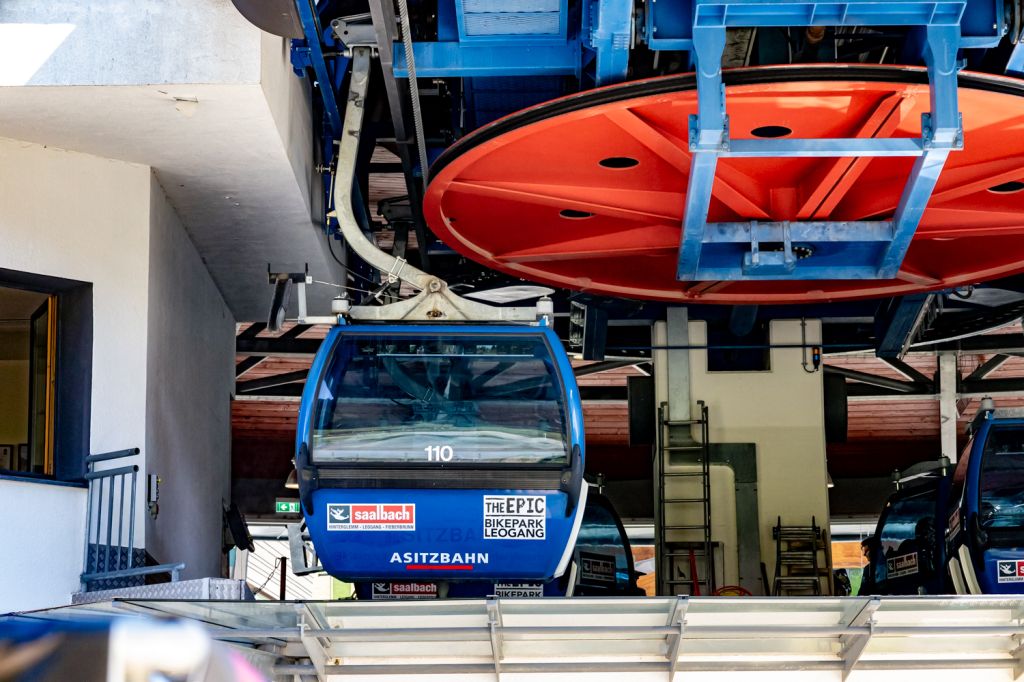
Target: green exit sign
[{"x": 286, "y": 507}]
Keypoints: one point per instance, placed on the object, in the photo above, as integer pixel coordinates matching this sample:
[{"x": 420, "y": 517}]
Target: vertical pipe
[
  {"x": 284, "y": 578},
  {"x": 120, "y": 525},
  {"x": 99, "y": 523},
  {"x": 131, "y": 520},
  {"x": 110, "y": 521},
  {"x": 88, "y": 526}
]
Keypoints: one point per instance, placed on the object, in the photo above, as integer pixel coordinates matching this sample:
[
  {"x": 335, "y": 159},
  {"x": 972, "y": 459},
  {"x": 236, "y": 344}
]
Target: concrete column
[
  {"x": 948, "y": 412},
  {"x": 678, "y": 360}
]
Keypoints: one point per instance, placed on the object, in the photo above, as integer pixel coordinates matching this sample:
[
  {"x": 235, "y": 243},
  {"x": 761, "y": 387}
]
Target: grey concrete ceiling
[{"x": 206, "y": 100}]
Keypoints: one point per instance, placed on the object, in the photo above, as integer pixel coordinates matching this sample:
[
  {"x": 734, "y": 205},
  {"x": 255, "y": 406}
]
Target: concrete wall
[
  {"x": 126, "y": 42},
  {"x": 40, "y": 569},
  {"x": 780, "y": 410},
  {"x": 162, "y": 362},
  {"x": 189, "y": 381},
  {"x": 82, "y": 217}
]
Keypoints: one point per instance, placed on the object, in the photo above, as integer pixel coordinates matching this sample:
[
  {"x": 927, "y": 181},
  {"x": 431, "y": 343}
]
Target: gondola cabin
[
  {"x": 985, "y": 526},
  {"x": 962, "y": 531},
  {"x": 441, "y": 452}
]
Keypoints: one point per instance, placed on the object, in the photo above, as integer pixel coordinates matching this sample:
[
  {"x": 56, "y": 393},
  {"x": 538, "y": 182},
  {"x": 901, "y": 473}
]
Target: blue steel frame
[
  {"x": 872, "y": 249},
  {"x": 501, "y": 10},
  {"x": 315, "y": 58}
]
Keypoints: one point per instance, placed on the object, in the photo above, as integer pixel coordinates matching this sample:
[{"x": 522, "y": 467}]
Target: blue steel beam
[
  {"x": 442, "y": 60},
  {"x": 311, "y": 27},
  {"x": 897, "y": 325},
  {"x": 942, "y": 131},
  {"x": 609, "y": 36}
]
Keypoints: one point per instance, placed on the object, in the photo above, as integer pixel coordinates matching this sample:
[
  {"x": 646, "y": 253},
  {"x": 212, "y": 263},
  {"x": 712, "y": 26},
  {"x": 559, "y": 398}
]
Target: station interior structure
[{"x": 781, "y": 244}]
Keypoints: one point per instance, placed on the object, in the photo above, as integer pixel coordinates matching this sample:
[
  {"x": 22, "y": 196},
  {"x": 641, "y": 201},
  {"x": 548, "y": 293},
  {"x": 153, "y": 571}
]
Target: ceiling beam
[
  {"x": 603, "y": 366},
  {"x": 881, "y": 382},
  {"x": 271, "y": 381},
  {"x": 987, "y": 367},
  {"x": 900, "y": 323},
  {"x": 248, "y": 363},
  {"x": 277, "y": 347},
  {"x": 906, "y": 370}
]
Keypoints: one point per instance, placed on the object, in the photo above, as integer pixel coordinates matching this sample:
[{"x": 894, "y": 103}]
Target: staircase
[{"x": 684, "y": 552}]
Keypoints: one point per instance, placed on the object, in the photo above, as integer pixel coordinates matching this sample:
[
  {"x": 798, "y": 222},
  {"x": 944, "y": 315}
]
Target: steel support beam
[
  {"x": 448, "y": 60},
  {"x": 906, "y": 370},
  {"x": 900, "y": 323},
  {"x": 853, "y": 645},
  {"x": 271, "y": 381},
  {"x": 673, "y": 642},
  {"x": 709, "y": 139},
  {"x": 987, "y": 367},
  {"x": 875, "y": 380}
]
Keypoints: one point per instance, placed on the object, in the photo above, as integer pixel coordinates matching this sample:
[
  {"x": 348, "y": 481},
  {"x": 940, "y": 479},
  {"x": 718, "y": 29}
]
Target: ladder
[
  {"x": 684, "y": 552},
  {"x": 797, "y": 571}
]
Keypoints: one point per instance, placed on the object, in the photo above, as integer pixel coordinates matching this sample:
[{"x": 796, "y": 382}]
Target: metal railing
[{"x": 104, "y": 561}]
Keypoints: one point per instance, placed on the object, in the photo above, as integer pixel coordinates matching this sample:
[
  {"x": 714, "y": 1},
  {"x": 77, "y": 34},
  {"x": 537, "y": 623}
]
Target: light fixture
[
  {"x": 292, "y": 481},
  {"x": 829, "y": 483}
]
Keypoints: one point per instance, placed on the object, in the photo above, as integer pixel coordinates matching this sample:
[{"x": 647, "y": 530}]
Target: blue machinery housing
[
  {"x": 442, "y": 452},
  {"x": 509, "y": 55},
  {"x": 961, "y": 531}
]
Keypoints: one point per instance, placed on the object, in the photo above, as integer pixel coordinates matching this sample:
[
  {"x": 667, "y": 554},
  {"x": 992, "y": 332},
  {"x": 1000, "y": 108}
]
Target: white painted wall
[
  {"x": 189, "y": 381},
  {"x": 780, "y": 411},
  {"x": 41, "y": 563},
  {"x": 163, "y": 349},
  {"x": 82, "y": 217}
]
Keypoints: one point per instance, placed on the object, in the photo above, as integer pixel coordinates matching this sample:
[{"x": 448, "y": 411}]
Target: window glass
[
  {"x": 907, "y": 542},
  {"x": 456, "y": 399},
  {"x": 26, "y": 376},
  {"x": 1002, "y": 479},
  {"x": 602, "y": 549}
]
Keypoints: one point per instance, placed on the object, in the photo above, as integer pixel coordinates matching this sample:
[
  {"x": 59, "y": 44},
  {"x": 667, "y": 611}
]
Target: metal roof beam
[
  {"x": 270, "y": 382},
  {"x": 987, "y": 367},
  {"x": 879, "y": 381}
]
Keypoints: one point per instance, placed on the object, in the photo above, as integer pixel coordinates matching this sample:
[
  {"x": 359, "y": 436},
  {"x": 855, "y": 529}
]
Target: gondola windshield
[
  {"x": 1001, "y": 502},
  {"x": 457, "y": 399}
]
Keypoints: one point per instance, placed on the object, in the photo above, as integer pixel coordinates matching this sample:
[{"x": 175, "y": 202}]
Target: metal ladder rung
[
  {"x": 703, "y": 581},
  {"x": 696, "y": 554},
  {"x": 683, "y": 527},
  {"x": 677, "y": 474},
  {"x": 679, "y": 448},
  {"x": 681, "y": 500},
  {"x": 682, "y": 422}
]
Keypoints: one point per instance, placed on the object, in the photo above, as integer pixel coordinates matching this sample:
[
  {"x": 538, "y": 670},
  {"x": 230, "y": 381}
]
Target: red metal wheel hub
[{"x": 587, "y": 192}]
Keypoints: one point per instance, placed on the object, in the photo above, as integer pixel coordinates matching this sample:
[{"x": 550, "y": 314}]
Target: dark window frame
[{"x": 72, "y": 408}]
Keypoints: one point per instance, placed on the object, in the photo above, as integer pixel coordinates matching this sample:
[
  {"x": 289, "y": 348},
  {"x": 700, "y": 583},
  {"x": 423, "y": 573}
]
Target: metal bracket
[
  {"x": 314, "y": 647},
  {"x": 355, "y": 30},
  {"x": 942, "y": 132},
  {"x": 673, "y": 641},
  {"x": 852, "y": 646},
  {"x": 494, "y": 625},
  {"x": 297, "y": 548}
]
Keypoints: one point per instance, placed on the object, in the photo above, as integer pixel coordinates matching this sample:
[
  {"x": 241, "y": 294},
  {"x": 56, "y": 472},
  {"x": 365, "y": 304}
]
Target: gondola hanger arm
[{"x": 435, "y": 302}]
